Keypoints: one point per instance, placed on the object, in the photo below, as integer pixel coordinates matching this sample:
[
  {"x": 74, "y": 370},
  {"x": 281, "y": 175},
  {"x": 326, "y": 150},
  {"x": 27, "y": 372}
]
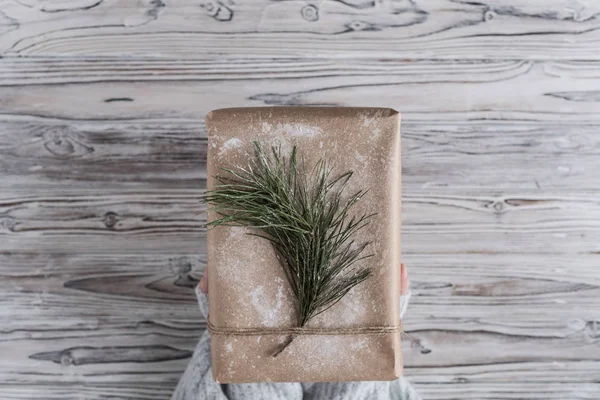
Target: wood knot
[
  {"x": 8, "y": 224},
  {"x": 183, "y": 273},
  {"x": 499, "y": 206},
  {"x": 66, "y": 359},
  {"x": 310, "y": 12},
  {"x": 156, "y": 8},
  {"x": 592, "y": 330},
  {"x": 65, "y": 145},
  {"x": 219, "y": 10},
  {"x": 110, "y": 219},
  {"x": 357, "y": 25},
  {"x": 489, "y": 15},
  {"x": 417, "y": 342},
  {"x": 496, "y": 206}
]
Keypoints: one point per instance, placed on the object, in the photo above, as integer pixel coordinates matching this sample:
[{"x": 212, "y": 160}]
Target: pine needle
[{"x": 303, "y": 215}]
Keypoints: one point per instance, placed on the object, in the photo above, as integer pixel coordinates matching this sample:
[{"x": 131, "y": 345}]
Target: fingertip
[
  {"x": 203, "y": 284},
  {"x": 404, "y": 282},
  {"x": 404, "y": 287}
]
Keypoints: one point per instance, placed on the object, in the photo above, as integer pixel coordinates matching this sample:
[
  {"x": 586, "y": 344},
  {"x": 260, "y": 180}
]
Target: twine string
[{"x": 367, "y": 330}]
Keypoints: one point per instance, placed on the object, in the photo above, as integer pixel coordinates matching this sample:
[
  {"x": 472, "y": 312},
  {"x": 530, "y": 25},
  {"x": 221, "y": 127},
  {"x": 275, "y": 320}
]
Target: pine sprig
[{"x": 303, "y": 215}]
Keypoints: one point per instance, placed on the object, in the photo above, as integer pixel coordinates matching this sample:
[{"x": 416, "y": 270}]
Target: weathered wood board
[
  {"x": 446, "y": 29},
  {"x": 102, "y": 161}
]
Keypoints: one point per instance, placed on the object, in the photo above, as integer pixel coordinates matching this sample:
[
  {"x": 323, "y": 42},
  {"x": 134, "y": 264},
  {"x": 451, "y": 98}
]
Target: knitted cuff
[{"x": 404, "y": 299}]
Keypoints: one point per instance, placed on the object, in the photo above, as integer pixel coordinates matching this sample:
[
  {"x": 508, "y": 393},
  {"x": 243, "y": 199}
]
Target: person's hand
[
  {"x": 404, "y": 281},
  {"x": 203, "y": 284}
]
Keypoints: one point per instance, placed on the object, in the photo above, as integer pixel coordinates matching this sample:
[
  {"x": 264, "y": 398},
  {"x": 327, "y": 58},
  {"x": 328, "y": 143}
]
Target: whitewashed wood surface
[{"x": 102, "y": 160}]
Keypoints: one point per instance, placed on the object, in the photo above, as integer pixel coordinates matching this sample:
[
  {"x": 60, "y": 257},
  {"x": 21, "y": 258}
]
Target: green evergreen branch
[{"x": 304, "y": 217}]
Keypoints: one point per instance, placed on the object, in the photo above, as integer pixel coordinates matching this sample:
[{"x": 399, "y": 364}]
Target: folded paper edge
[{"x": 217, "y": 113}]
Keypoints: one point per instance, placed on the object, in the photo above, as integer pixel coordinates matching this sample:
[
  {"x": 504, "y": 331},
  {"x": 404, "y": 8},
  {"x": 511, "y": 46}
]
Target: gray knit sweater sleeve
[{"x": 197, "y": 382}]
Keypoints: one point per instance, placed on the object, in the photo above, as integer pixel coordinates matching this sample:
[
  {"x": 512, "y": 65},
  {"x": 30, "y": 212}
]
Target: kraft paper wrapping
[{"x": 247, "y": 286}]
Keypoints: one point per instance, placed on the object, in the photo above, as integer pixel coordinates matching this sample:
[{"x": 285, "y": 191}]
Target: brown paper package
[{"x": 247, "y": 286}]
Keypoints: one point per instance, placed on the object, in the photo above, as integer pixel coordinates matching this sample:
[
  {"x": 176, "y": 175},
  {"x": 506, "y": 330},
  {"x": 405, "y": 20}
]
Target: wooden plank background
[{"x": 102, "y": 147}]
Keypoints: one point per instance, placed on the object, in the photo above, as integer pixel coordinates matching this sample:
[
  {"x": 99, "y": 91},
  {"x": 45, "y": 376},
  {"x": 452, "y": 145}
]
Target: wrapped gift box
[{"x": 252, "y": 306}]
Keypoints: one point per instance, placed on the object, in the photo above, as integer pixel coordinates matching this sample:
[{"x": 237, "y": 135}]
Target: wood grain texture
[
  {"x": 525, "y": 158},
  {"x": 102, "y": 161},
  {"x": 101, "y": 155},
  {"x": 96, "y": 326},
  {"x": 144, "y": 304},
  {"x": 440, "y": 224},
  {"x": 450, "y": 29},
  {"x": 423, "y": 90}
]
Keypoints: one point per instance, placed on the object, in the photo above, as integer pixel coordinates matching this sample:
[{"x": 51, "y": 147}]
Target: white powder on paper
[
  {"x": 238, "y": 232},
  {"x": 300, "y": 130},
  {"x": 359, "y": 157},
  {"x": 285, "y": 135},
  {"x": 292, "y": 129},
  {"x": 351, "y": 311},
  {"x": 367, "y": 120},
  {"x": 371, "y": 122},
  {"x": 229, "y": 144},
  {"x": 325, "y": 350},
  {"x": 230, "y": 267},
  {"x": 359, "y": 344},
  {"x": 268, "y": 310}
]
